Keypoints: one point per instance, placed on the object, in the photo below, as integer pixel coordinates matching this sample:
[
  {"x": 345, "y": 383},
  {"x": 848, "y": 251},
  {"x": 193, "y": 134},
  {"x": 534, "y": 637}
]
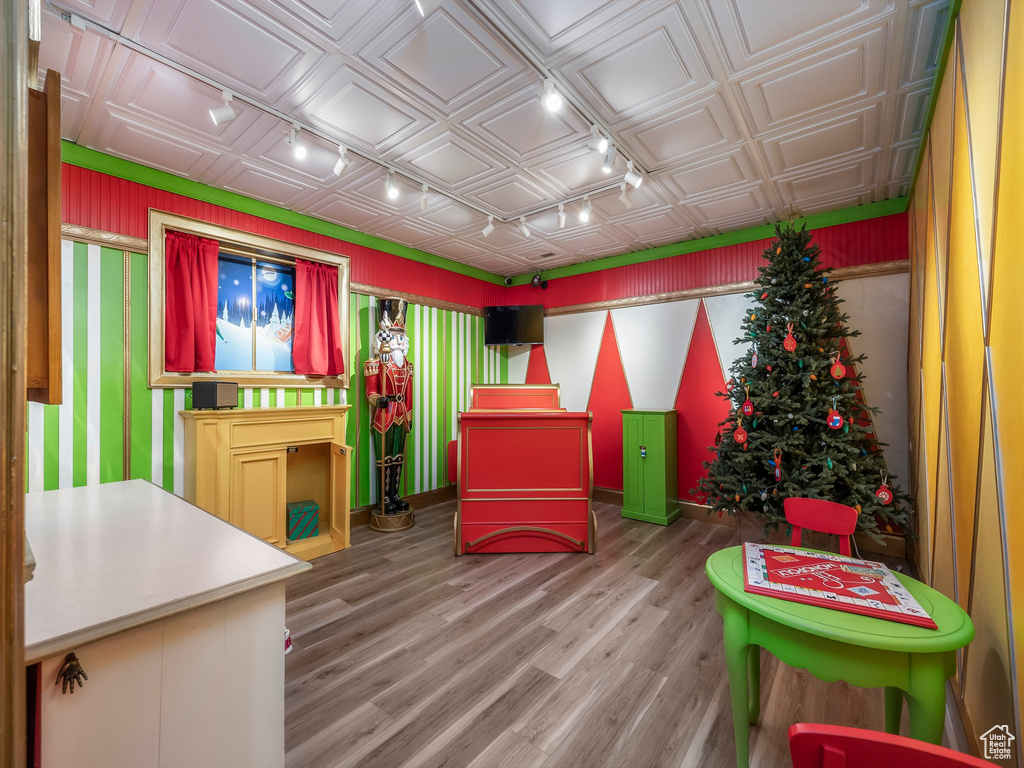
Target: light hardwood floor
[{"x": 405, "y": 655}]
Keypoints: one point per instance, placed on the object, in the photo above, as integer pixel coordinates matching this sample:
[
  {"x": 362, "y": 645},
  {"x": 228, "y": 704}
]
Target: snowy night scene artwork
[{"x": 275, "y": 307}]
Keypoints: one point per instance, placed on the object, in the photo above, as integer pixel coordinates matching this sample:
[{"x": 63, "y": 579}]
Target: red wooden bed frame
[
  {"x": 518, "y": 397},
  {"x": 525, "y": 475}
]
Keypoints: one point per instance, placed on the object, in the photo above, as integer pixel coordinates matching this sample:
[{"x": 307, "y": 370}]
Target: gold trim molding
[
  {"x": 842, "y": 273},
  {"x": 108, "y": 239}
]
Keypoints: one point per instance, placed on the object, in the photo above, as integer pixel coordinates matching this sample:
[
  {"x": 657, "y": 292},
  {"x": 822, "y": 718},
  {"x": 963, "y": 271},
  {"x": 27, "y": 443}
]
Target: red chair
[
  {"x": 834, "y": 746},
  {"x": 824, "y": 516}
]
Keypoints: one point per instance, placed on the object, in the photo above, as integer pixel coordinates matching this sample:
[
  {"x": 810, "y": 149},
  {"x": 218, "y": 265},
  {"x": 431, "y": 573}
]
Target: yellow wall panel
[
  {"x": 931, "y": 369},
  {"x": 986, "y": 684},
  {"x": 941, "y": 140},
  {"x": 923, "y": 505},
  {"x": 981, "y": 25},
  {"x": 964, "y": 347},
  {"x": 1006, "y": 330},
  {"x": 943, "y": 565}
]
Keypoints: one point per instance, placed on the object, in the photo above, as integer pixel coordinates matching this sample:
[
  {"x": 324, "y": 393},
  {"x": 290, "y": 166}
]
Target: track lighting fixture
[
  {"x": 609, "y": 159},
  {"x": 295, "y": 142},
  {"x": 389, "y": 186},
  {"x": 597, "y": 142},
  {"x": 633, "y": 178},
  {"x": 561, "y": 215},
  {"x": 489, "y": 228},
  {"x": 552, "y": 99},
  {"x": 424, "y": 198},
  {"x": 224, "y": 114},
  {"x": 523, "y": 230},
  {"x": 585, "y": 210},
  {"x": 426, "y": 6},
  {"x": 624, "y": 197},
  {"x": 342, "y": 163}
]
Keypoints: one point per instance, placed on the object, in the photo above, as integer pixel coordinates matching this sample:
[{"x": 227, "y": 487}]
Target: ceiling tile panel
[
  {"x": 739, "y": 208},
  {"x": 926, "y": 24},
  {"x": 640, "y": 68},
  {"x": 911, "y": 111},
  {"x": 831, "y": 140},
  {"x": 846, "y": 73},
  {"x": 695, "y": 179},
  {"x": 702, "y": 126},
  {"x": 348, "y": 213},
  {"x": 450, "y": 161},
  {"x": 753, "y": 32},
  {"x": 832, "y": 182},
  {"x": 123, "y": 135}
]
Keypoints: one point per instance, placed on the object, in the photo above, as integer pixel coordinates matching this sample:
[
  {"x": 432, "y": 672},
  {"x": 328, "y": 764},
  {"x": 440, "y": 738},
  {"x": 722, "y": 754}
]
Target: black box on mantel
[{"x": 214, "y": 394}]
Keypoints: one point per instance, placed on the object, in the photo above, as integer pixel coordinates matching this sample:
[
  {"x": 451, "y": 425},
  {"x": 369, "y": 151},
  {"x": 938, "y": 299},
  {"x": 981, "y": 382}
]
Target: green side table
[
  {"x": 650, "y": 470},
  {"x": 909, "y": 662}
]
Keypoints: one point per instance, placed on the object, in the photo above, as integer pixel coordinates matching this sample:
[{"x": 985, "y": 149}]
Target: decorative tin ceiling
[{"x": 732, "y": 109}]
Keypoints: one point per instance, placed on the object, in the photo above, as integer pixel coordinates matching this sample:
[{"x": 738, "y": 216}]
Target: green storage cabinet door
[
  {"x": 632, "y": 464},
  {"x": 650, "y": 483}
]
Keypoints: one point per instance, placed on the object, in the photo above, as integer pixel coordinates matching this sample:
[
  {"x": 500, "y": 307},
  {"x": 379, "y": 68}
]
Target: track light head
[
  {"x": 342, "y": 163},
  {"x": 523, "y": 229},
  {"x": 389, "y": 186},
  {"x": 424, "y": 198},
  {"x": 597, "y": 142},
  {"x": 585, "y": 210},
  {"x": 552, "y": 99},
  {"x": 295, "y": 142},
  {"x": 624, "y": 197},
  {"x": 633, "y": 178},
  {"x": 609, "y": 159},
  {"x": 489, "y": 228},
  {"x": 561, "y": 216},
  {"x": 224, "y": 114}
]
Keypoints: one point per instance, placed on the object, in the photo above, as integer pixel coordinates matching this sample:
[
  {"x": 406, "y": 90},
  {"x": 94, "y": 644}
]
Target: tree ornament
[
  {"x": 768, "y": 328},
  {"x": 884, "y": 492},
  {"x": 828, "y": 462},
  {"x": 748, "y": 407},
  {"x": 753, "y": 317},
  {"x": 846, "y": 428},
  {"x": 789, "y": 343},
  {"x": 813, "y": 377},
  {"x": 807, "y": 285},
  {"x": 753, "y": 359},
  {"x": 764, "y": 295},
  {"x": 857, "y": 507},
  {"x": 800, "y": 362},
  {"x": 778, "y": 250},
  {"x": 778, "y": 466},
  {"x": 729, "y": 385},
  {"x": 834, "y": 419},
  {"x": 775, "y": 393},
  {"x": 739, "y": 434},
  {"x": 768, "y": 368},
  {"x": 838, "y": 370}
]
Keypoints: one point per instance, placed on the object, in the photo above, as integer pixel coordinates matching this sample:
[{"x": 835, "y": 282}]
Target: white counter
[{"x": 119, "y": 555}]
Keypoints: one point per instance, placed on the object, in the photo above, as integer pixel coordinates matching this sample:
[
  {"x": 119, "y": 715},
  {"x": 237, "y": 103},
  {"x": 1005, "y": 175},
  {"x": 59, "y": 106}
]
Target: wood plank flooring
[{"x": 405, "y": 655}]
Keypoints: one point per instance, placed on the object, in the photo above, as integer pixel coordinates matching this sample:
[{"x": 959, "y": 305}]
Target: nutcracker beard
[{"x": 388, "y": 377}]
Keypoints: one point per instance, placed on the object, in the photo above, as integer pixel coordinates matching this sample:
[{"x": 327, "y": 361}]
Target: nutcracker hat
[{"x": 392, "y": 310}]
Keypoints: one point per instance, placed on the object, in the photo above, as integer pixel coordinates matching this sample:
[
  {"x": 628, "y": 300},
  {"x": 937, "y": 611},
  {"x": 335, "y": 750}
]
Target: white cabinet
[{"x": 204, "y": 688}]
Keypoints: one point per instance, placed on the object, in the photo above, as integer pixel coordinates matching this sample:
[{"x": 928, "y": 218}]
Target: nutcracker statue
[{"x": 388, "y": 376}]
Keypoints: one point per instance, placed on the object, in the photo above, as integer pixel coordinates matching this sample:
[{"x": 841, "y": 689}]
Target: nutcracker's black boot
[
  {"x": 387, "y": 499},
  {"x": 400, "y": 504}
]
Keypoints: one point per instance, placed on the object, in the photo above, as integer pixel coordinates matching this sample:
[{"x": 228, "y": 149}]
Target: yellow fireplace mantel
[{"x": 240, "y": 465}]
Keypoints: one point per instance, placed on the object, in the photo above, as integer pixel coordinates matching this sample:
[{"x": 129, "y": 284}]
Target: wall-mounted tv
[{"x": 514, "y": 324}]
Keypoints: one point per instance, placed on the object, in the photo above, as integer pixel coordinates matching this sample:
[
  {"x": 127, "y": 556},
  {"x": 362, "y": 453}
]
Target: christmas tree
[{"x": 798, "y": 424}]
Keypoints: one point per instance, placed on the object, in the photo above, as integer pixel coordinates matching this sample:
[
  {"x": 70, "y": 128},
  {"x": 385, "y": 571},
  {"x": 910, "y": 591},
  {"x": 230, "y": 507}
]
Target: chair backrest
[
  {"x": 821, "y": 515},
  {"x": 835, "y": 746}
]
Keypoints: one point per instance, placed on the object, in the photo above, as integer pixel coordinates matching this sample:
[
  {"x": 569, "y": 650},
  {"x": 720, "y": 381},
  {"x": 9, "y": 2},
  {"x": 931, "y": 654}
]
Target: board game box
[{"x": 831, "y": 581}]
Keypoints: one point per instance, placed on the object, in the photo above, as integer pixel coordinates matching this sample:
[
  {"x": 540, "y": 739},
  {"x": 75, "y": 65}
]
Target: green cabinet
[{"x": 650, "y": 466}]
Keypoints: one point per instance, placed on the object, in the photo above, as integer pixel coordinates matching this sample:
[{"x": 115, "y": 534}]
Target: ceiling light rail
[{"x": 296, "y": 128}]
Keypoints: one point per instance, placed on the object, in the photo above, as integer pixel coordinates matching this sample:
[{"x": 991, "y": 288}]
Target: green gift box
[{"x": 303, "y": 519}]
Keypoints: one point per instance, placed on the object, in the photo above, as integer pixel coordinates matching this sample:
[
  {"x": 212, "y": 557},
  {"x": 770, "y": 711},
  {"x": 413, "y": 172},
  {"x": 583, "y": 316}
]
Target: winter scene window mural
[{"x": 255, "y": 313}]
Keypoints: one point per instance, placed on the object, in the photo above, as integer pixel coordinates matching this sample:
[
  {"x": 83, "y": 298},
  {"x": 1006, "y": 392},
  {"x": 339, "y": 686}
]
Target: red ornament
[
  {"x": 789, "y": 343},
  {"x": 834, "y": 419},
  {"x": 884, "y": 492},
  {"x": 838, "y": 370},
  {"x": 778, "y": 466},
  {"x": 764, "y": 295},
  {"x": 768, "y": 368},
  {"x": 740, "y": 434},
  {"x": 748, "y": 407}
]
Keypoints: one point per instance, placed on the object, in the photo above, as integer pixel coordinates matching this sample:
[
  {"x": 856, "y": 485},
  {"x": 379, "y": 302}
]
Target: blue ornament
[
  {"x": 807, "y": 258},
  {"x": 824, "y": 279}
]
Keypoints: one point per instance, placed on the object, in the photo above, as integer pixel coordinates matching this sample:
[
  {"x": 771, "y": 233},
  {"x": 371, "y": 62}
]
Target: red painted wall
[
  {"x": 844, "y": 245},
  {"x": 93, "y": 199}
]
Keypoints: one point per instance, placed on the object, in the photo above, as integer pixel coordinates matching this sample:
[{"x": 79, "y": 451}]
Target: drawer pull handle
[{"x": 70, "y": 672}]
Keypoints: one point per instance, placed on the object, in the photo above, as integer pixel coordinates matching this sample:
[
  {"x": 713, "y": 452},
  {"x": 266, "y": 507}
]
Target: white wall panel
[
  {"x": 653, "y": 342},
  {"x": 571, "y": 344},
  {"x": 725, "y": 314}
]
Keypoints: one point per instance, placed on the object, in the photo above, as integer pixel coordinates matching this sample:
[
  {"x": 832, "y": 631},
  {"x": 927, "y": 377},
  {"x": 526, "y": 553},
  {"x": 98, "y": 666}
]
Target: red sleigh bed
[{"x": 524, "y": 474}]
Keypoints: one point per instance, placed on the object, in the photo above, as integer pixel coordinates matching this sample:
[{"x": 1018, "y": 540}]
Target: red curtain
[
  {"x": 190, "y": 319},
  {"x": 316, "y": 346}
]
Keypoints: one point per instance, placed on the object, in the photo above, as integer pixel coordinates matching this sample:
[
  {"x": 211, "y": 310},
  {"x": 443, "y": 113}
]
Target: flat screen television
[{"x": 514, "y": 324}]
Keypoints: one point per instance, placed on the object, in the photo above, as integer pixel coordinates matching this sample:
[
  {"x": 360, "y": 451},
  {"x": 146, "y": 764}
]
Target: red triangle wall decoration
[
  {"x": 609, "y": 396},
  {"x": 537, "y": 366}
]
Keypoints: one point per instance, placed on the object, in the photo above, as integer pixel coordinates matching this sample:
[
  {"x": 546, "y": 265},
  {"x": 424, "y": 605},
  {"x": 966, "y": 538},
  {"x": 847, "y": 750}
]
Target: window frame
[{"x": 257, "y": 246}]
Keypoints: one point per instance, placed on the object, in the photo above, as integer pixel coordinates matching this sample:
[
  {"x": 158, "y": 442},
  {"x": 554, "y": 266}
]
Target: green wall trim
[
  {"x": 947, "y": 44},
  {"x": 815, "y": 221},
  {"x": 94, "y": 160}
]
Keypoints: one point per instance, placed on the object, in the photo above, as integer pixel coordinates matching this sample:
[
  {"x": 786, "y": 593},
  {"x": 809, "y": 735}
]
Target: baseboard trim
[{"x": 418, "y": 501}]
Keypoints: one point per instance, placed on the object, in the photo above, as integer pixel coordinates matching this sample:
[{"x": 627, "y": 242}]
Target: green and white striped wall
[{"x": 83, "y": 440}]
